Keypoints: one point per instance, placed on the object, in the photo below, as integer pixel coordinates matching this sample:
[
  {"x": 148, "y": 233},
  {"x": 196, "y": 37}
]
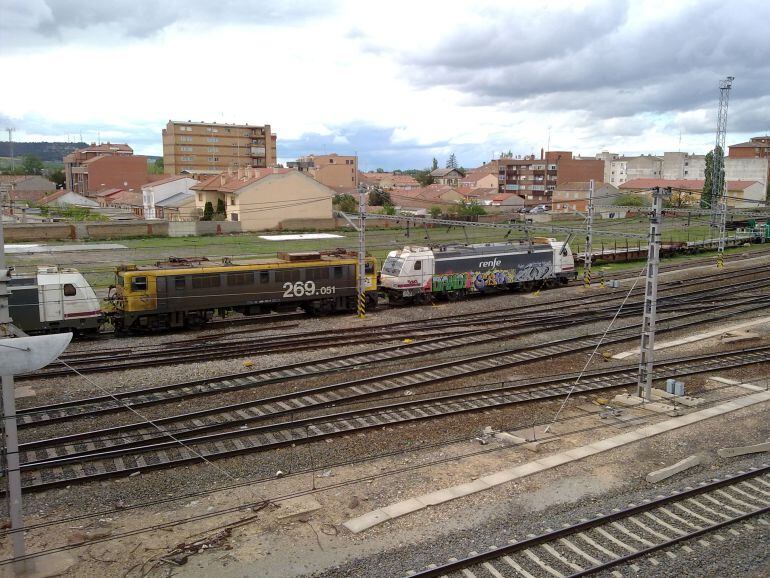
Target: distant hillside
[{"x": 45, "y": 151}]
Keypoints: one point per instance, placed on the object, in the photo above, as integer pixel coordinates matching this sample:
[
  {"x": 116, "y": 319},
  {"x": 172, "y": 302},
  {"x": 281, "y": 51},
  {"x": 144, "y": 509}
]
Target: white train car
[
  {"x": 54, "y": 300},
  {"x": 452, "y": 271}
]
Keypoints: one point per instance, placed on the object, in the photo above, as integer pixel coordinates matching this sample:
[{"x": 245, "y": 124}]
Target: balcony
[{"x": 257, "y": 151}]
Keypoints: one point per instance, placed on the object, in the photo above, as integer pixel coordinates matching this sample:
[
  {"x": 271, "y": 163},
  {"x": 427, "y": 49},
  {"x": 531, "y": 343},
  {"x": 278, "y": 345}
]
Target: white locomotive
[
  {"x": 54, "y": 300},
  {"x": 452, "y": 271}
]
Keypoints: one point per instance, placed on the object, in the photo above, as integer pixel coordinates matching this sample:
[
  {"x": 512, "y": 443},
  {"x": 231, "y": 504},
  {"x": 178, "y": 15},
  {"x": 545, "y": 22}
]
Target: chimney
[
  {"x": 222, "y": 179},
  {"x": 541, "y": 153}
]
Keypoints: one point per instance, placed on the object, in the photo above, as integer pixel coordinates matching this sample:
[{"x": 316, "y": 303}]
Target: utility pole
[
  {"x": 644, "y": 389},
  {"x": 361, "y": 251},
  {"x": 589, "y": 236},
  {"x": 718, "y": 184},
  {"x": 10, "y": 145}
]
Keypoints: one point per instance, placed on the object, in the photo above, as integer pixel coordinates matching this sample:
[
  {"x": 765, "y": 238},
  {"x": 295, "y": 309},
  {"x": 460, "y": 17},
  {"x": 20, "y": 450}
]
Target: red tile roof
[{"x": 232, "y": 183}]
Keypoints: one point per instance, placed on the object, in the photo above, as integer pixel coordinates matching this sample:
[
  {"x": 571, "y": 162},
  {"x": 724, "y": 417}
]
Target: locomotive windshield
[{"x": 392, "y": 266}]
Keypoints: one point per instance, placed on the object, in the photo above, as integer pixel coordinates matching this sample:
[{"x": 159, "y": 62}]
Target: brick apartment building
[
  {"x": 104, "y": 166},
  {"x": 209, "y": 148},
  {"x": 535, "y": 179},
  {"x": 338, "y": 172}
]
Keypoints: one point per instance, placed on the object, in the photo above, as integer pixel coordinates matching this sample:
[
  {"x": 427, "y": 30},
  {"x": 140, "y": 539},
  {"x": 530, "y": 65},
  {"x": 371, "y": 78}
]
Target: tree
[
  {"x": 470, "y": 209},
  {"x": 156, "y": 168},
  {"x": 58, "y": 177},
  {"x": 32, "y": 165},
  {"x": 345, "y": 203},
  {"x": 388, "y": 209},
  {"x": 379, "y": 197},
  {"x": 221, "y": 213},
  {"x": 767, "y": 194},
  {"x": 379, "y": 171},
  {"x": 434, "y": 166},
  {"x": 451, "y": 162},
  {"x": 423, "y": 177},
  {"x": 630, "y": 200},
  {"x": 680, "y": 199},
  {"x": 435, "y": 212},
  {"x": 208, "y": 211},
  {"x": 711, "y": 191}
]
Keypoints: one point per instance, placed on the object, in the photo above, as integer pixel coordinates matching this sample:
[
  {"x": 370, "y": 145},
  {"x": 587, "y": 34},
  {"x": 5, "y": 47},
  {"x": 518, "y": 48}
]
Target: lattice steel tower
[{"x": 718, "y": 198}]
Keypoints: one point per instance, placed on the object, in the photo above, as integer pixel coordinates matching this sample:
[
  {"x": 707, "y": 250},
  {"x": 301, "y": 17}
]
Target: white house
[{"x": 157, "y": 191}]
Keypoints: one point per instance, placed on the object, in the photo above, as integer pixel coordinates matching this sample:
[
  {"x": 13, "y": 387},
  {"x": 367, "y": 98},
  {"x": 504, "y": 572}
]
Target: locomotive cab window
[
  {"x": 337, "y": 272},
  {"x": 369, "y": 268},
  {"x": 179, "y": 283},
  {"x": 264, "y": 276},
  {"x": 139, "y": 284},
  {"x": 417, "y": 265},
  {"x": 69, "y": 290}
]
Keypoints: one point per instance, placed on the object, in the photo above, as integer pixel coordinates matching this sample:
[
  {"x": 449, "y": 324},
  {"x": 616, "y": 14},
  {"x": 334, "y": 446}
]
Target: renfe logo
[{"x": 493, "y": 263}]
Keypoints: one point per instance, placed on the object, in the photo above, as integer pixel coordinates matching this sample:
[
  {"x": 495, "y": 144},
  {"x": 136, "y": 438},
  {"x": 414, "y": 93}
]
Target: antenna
[{"x": 10, "y": 143}]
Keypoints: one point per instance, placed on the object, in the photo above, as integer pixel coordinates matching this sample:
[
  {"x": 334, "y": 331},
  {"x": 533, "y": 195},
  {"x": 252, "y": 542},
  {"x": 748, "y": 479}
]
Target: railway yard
[{"x": 493, "y": 436}]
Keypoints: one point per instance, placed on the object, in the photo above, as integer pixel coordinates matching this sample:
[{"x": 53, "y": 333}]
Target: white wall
[
  {"x": 152, "y": 194},
  {"x": 746, "y": 170}
]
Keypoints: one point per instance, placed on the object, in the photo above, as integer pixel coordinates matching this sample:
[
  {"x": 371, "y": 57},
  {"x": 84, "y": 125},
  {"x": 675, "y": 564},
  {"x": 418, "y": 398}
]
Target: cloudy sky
[{"x": 398, "y": 82}]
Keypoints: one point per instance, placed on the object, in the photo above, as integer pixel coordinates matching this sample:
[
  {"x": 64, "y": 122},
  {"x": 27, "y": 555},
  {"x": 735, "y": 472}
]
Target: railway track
[
  {"x": 618, "y": 539},
  {"x": 480, "y": 363},
  {"x": 130, "y": 359},
  {"x": 123, "y": 450}
]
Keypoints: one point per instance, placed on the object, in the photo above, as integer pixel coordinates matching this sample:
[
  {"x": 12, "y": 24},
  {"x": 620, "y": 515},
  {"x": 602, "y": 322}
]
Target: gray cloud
[
  {"x": 600, "y": 61},
  {"x": 32, "y": 24}
]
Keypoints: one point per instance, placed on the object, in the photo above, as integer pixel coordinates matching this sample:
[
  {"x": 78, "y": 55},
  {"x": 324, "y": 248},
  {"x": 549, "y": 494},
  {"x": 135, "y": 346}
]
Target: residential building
[
  {"x": 27, "y": 187},
  {"x": 748, "y": 169},
  {"x": 76, "y": 175},
  {"x": 64, "y": 198},
  {"x": 211, "y": 148},
  {"x": 757, "y": 147},
  {"x": 389, "y": 181},
  {"x": 263, "y": 198},
  {"x": 120, "y": 197},
  {"x": 740, "y": 194},
  {"x": 335, "y": 171},
  {"x": 535, "y": 179},
  {"x": 160, "y": 190},
  {"x": 483, "y": 177},
  {"x": 573, "y": 197},
  {"x": 680, "y": 165},
  {"x": 180, "y": 207},
  {"x": 448, "y": 177}
]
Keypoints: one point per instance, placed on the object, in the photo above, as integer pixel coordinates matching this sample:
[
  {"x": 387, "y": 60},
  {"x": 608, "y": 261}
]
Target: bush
[
  {"x": 345, "y": 203},
  {"x": 435, "y": 212},
  {"x": 208, "y": 211},
  {"x": 221, "y": 207}
]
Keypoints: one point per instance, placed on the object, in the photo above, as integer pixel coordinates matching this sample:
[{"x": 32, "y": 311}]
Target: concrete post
[
  {"x": 361, "y": 251},
  {"x": 589, "y": 236}
]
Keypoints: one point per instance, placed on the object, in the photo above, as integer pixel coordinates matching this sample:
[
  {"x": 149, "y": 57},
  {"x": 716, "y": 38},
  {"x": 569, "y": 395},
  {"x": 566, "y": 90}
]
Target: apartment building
[
  {"x": 535, "y": 179},
  {"x": 210, "y": 148},
  {"x": 76, "y": 163},
  {"x": 757, "y": 147},
  {"x": 338, "y": 172}
]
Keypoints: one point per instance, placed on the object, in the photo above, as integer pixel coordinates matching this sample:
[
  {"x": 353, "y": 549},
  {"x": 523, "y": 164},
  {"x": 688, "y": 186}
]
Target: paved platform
[
  {"x": 695, "y": 337},
  {"x": 30, "y": 248},
  {"x": 380, "y": 515}
]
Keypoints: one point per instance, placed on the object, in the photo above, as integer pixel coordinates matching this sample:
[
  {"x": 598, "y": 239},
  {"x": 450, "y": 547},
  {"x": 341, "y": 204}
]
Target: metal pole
[
  {"x": 10, "y": 436},
  {"x": 644, "y": 389},
  {"x": 361, "y": 251},
  {"x": 589, "y": 236}
]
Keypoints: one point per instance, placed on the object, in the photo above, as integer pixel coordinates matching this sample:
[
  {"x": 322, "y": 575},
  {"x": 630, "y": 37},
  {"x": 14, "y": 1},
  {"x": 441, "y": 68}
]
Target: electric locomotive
[{"x": 187, "y": 292}]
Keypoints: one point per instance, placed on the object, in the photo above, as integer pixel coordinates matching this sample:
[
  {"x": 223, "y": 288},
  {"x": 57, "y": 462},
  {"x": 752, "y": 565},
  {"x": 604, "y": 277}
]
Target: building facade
[
  {"x": 158, "y": 191},
  {"x": 573, "y": 196},
  {"x": 210, "y": 148},
  {"x": 338, "y": 172},
  {"x": 262, "y": 199},
  {"x": 740, "y": 194},
  {"x": 448, "y": 177},
  {"x": 76, "y": 176},
  {"x": 535, "y": 179},
  {"x": 757, "y": 148}
]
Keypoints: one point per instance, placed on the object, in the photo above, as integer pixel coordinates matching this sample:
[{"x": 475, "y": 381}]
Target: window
[
  {"x": 185, "y": 138},
  {"x": 337, "y": 272},
  {"x": 200, "y": 197},
  {"x": 185, "y": 149},
  {"x": 186, "y": 128},
  {"x": 369, "y": 268},
  {"x": 264, "y": 276},
  {"x": 211, "y": 129},
  {"x": 417, "y": 265},
  {"x": 213, "y": 150},
  {"x": 285, "y": 275},
  {"x": 139, "y": 284},
  {"x": 234, "y": 217},
  {"x": 213, "y": 159},
  {"x": 232, "y": 201},
  {"x": 212, "y": 139},
  {"x": 331, "y": 161},
  {"x": 205, "y": 281},
  {"x": 69, "y": 290},
  {"x": 240, "y": 278},
  {"x": 316, "y": 274},
  {"x": 180, "y": 283}
]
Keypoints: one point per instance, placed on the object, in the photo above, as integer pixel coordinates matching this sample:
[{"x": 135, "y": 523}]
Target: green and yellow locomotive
[{"x": 187, "y": 292}]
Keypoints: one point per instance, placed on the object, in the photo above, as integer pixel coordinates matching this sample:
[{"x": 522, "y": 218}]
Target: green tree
[
  {"x": 451, "y": 162},
  {"x": 345, "y": 203},
  {"x": 388, "y": 209},
  {"x": 208, "y": 211},
  {"x": 156, "y": 168},
  {"x": 379, "y": 171},
  {"x": 32, "y": 165},
  {"x": 435, "y": 212},
  {"x": 767, "y": 194},
  {"x": 434, "y": 166},
  {"x": 423, "y": 177},
  {"x": 379, "y": 197},
  {"x": 470, "y": 209},
  {"x": 630, "y": 200},
  {"x": 711, "y": 192},
  {"x": 58, "y": 177}
]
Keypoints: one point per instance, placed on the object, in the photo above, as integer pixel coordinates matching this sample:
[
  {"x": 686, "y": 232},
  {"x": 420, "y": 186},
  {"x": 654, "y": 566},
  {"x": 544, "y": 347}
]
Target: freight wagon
[
  {"x": 452, "y": 271},
  {"x": 186, "y": 293}
]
